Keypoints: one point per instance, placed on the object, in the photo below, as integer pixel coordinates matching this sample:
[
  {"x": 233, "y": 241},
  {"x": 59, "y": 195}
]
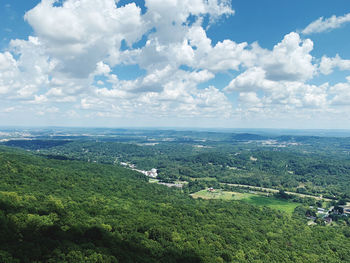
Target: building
[
  {"x": 152, "y": 173},
  {"x": 328, "y": 220}
]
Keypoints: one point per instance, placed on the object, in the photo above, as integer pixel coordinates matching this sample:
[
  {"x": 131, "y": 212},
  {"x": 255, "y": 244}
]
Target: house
[
  {"x": 211, "y": 189},
  {"x": 152, "y": 173},
  {"x": 346, "y": 209},
  {"x": 328, "y": 220}
]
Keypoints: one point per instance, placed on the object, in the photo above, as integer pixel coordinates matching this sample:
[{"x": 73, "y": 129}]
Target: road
[{"x": 257, "y": 188}]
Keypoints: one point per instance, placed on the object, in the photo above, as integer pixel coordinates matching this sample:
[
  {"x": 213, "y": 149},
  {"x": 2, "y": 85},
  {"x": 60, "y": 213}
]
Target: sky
[{"x": 175, "y": 63}]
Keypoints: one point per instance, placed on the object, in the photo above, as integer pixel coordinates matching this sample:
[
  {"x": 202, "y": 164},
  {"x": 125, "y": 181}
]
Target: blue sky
[{"x": 215, "y": 63}]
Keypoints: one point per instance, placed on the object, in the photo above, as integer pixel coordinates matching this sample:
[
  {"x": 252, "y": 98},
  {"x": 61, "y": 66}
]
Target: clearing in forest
[{"x": 251, "y": 198}]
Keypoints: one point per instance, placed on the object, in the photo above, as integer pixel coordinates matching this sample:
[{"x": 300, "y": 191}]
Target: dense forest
[
  {"x": 302, "y": 167},
  {"x": 72, "y": 211}
]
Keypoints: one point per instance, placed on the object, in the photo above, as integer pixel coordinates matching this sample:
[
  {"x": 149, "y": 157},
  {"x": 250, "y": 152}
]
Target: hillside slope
[{"x": 70, "y": 211}]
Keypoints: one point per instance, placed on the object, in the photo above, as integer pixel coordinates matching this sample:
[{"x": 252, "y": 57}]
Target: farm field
[
  {"x": 251, "y": 198},
  {"x": 272, "y": 190}
]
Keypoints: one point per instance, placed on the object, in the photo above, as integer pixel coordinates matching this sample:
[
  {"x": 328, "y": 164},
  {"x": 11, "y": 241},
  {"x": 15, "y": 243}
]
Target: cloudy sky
[{"x": 185, "y": 63}]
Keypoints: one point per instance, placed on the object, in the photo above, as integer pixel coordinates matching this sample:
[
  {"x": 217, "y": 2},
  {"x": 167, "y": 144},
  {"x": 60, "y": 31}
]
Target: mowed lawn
[{"x": 251, "y": 198}]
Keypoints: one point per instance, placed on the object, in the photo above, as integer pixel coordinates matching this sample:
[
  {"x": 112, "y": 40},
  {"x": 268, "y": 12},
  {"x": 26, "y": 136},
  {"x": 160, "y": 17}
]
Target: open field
[
  {"x": 204, "y": 179},
  {"x": 152, "y": 180},
  {"x": 251, "y": 198},
  {"x": 272, "y": 190},
  {"x": 224, "y": 195}
]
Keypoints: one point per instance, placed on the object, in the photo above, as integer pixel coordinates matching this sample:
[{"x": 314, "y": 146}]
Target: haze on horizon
[{"x": 175, "y": 63}]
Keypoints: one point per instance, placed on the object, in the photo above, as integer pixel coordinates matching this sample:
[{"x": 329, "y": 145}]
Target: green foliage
[
  {"x": 314, "y": 165},
  {"x": 70, "y": 211}
]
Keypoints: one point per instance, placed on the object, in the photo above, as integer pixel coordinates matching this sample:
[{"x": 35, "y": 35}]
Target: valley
[{"x": 116, "y": 197}]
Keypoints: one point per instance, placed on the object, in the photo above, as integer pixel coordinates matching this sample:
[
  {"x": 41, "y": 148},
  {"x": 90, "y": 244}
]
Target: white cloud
[
  {"x": 328, "y": 64},
  {"x": 7, "y": 61},
  {"x": 79, "y": 34},
  {"x": 322, "y": 24},
  {"x": 39, "y": 99},
  {"x": 69, "y": 66},
  {"x": 284, "y": 106},
  {"x": 315, "y": 96},
  {"x": 171, "y": 102},
  {"x": 52, "y": 110},
  {"x": 225, "y": 55},
  {"x": 8, "y": 72},
  {"x": 341, "y": 93},
  {"x": 289, "y": 60},
  {"x": 89, "y": 45},
  {"x": 22, "y": 78},
  {"x": 102, "y": 69},
  {"x": 250, "y": 98},
  {"x": 171, "y": 14},
  {"x": 289, "y": 89},
  {"x": 251, "y": 80},
  {"x": 177, "y": 95}
]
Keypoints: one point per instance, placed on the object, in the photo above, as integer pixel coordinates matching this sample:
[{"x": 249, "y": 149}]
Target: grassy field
[
  {"x": 204, "y": 179},
  {"x": 251, "y": 198},
  {"x": 205, "y": 194},
  {"x": 151, "y": 180}
]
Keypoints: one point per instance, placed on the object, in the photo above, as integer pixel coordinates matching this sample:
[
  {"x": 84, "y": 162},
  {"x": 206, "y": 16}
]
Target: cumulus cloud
[
  {"x": 250, "y": 99},
  {"x": 341, "y": 93},
  {"x": 289, "y": 60},
  {"x": 225, "y": 55},
  {"x": 23, "y": 77},
  {"x": 171, "y": 14},
  {"x": 252, "y": 79},
  {"x": 7, "y": 61},
  {"x": 69, "y": 65},
  {"x": 289, "y": 103},
  {"x": 79, "y": 34},
  {"x": 326, "y": 24},
  {"x": 8, "y": 72},
  {"x": 80, "y": 40},
  {"x": 280, "y": 75},
  {"x": 171, "y": 102},
  {"x": 327, "y": 64},
  {"x": 169, "y": 91}
]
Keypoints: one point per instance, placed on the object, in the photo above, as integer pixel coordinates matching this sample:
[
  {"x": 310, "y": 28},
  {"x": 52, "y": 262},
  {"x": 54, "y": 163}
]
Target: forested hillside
[
  {"x": 71, "y": 211},
  {"x": 311, "y": 169}
]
